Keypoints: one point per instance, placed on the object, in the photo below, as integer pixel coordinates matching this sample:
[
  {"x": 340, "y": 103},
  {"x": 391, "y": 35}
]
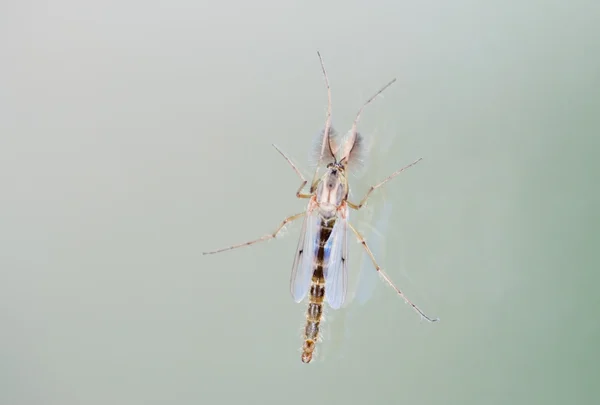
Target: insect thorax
[{"x": 332, "y": 189}]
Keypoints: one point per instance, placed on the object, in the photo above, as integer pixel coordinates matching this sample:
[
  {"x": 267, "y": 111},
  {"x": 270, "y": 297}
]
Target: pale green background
[{"x": 136, "y": 134}]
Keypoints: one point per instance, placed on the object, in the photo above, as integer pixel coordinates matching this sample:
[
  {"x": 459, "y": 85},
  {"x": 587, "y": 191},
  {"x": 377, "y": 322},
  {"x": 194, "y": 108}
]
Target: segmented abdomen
[{"x": 316, "y": 294}]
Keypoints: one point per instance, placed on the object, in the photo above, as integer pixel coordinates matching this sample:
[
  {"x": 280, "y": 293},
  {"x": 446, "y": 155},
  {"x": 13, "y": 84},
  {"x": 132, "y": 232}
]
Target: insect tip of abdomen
[{"x": 307, "y": 351}]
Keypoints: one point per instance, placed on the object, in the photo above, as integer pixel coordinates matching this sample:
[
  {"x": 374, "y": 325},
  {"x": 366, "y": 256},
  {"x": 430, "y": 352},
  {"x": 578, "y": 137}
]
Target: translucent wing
[
  {"x": 336, "y": 275},
  {"x": 302, "y": 269}
]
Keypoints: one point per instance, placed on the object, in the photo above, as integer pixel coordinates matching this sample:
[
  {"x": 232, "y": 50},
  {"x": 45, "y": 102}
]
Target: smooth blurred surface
[{"x": 135, "y": 135}]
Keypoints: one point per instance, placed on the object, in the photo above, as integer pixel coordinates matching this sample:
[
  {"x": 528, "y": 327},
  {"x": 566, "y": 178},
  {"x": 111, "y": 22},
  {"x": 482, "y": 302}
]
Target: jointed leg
[
  {"x": 387, "y": 279},
  {"x": 262, "y": 238},
  {"x": 298, "y": 193},
  {"x": 373, "y": 188}
]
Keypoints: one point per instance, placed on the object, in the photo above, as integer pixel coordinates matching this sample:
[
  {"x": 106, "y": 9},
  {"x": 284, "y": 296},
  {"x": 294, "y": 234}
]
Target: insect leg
[
  {"x": 362, "y": 240},
  {"x": 375, "y": 187},
  {"x": 262, "y": 238},
  {"x": 298, "y": 193}
]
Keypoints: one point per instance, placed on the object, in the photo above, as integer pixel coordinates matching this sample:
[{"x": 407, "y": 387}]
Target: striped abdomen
[{"x": 316, "y": 294}]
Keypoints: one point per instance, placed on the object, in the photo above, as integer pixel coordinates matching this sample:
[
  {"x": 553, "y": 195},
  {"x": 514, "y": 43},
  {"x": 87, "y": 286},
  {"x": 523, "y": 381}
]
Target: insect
[{"x": 320, "y": 265}]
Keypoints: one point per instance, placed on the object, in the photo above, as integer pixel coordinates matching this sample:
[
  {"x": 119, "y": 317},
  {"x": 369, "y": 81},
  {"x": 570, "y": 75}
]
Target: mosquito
[{"x": 320, "y": 264}]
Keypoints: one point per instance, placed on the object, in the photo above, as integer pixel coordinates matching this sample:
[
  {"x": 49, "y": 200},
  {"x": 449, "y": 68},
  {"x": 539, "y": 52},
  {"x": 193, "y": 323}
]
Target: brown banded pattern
[
  {"x": 320, "y": 264},
  {"x": 316, "y": 294}
]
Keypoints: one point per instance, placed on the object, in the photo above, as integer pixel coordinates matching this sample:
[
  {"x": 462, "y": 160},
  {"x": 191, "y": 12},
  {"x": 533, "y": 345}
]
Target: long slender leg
[
  {"x": 385, "y": 276},
  {"x": 262, "y": 238},
  {"x": 373, "y": 188},
  {"x": 298, "y": 193}
]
